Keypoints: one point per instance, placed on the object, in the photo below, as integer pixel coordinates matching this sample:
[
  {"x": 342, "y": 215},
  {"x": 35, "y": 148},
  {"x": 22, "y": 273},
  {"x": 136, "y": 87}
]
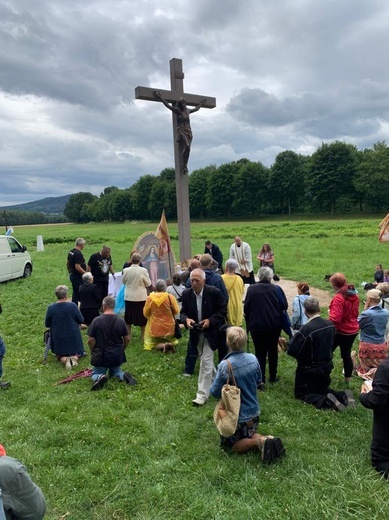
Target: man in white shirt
[{"x": 241, "y": 252}]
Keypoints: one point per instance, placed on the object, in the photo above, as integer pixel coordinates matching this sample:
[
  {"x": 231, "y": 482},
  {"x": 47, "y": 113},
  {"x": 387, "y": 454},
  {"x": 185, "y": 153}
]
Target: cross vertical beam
[{"x": 182, "y": 183}]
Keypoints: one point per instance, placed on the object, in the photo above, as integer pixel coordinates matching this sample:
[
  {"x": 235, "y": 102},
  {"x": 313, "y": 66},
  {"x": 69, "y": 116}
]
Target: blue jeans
[
  {"x": 2, "y": 352},
  {"x": 113, "y": 372}
]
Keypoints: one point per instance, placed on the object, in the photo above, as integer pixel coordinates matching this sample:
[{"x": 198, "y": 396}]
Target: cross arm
[{"x": 147, "y": 94}]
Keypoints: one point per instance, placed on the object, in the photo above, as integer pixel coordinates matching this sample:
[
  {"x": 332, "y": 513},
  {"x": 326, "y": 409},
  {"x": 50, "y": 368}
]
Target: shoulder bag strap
[
  {"x": 230, "y": 373},
  {"x": 301, "y": 312}
]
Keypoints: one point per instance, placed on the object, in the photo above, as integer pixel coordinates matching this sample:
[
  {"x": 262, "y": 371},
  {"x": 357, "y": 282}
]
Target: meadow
[{"x": 144, "y": 452}]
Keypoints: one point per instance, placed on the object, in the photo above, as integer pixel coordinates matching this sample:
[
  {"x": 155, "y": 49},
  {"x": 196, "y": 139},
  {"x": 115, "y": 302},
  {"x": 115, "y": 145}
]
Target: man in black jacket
[
  {"x": 204, "y": 311},
  {"x": 312, "y": 348},
  {"x": 214, "y": 251},
  {"x": 377, "y": 399}
]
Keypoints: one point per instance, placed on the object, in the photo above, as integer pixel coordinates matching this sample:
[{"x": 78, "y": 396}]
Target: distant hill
[{"x": 48, "y": 205}]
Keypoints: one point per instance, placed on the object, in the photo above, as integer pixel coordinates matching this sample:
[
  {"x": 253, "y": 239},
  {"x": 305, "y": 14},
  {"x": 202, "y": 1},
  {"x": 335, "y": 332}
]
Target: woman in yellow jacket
[{"x": 160, "y": 310}]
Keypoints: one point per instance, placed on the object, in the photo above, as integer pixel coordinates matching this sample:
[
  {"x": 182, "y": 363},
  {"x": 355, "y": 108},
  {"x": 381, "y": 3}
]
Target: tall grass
[{"x": 144, "y": 452}]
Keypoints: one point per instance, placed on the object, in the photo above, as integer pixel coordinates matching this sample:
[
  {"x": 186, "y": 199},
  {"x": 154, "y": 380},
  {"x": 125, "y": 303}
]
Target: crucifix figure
[
  {"x": 176, "y": 101},
  {"x": 184, "y": 131}
]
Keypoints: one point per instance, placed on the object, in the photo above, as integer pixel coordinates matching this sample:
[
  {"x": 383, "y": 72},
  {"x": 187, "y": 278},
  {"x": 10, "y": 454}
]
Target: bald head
[{"x": 194, "y": 264}]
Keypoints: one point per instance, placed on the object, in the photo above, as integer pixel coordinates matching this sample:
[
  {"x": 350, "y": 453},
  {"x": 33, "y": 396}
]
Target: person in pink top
[{"x": 344, "y": 311}]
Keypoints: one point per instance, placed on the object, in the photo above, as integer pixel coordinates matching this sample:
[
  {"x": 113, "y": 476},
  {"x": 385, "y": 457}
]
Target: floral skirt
[{"x": 370, "y": 357}]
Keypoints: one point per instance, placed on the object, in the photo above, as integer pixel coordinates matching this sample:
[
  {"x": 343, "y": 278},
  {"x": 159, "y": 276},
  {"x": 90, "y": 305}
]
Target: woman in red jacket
[{"x": 344, "y": 310}]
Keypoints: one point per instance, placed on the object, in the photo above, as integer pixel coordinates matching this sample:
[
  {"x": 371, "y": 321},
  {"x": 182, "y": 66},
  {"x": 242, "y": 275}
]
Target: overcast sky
[{"x": 286, "y": 75}]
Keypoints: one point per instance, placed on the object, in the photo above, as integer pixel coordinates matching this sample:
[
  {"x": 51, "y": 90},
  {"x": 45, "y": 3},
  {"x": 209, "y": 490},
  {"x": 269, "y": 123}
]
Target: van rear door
[{"x": 5, "y": 260}]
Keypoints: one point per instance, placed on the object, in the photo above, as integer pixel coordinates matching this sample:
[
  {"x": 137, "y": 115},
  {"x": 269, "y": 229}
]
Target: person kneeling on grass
[
  {"x": 248, "y": 376},
  {"x": 108, "y": 338},
  {"x": 21, "y": 498},
  {"x": 311, "y": 346}
]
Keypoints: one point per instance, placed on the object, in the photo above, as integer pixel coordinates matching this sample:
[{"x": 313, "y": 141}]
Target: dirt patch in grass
[{"x": 290, "y": 290}]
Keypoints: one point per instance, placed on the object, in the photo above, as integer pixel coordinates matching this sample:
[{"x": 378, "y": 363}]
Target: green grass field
[{"x": 144, "y": 452}]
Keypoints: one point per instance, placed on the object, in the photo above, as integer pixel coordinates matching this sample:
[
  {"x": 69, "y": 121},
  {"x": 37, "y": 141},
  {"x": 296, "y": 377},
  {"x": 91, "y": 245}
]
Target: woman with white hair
[
  {"x": 160, "y": 310},
  {"x": 90, "y": 298},
  {"x": 64, "y": 320},
  {"x": 264, "y": 306},
  {"x": 372, "y": 347},
  {"x": 235, "y": 288}
]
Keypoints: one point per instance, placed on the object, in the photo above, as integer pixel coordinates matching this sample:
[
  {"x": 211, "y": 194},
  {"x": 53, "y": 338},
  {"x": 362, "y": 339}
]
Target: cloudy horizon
[{"x": 286, "y": 76}]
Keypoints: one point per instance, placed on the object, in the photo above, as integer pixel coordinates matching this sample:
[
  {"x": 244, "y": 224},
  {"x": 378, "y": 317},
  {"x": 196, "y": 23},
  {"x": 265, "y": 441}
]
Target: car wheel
[{"x": 27, "y": 271}]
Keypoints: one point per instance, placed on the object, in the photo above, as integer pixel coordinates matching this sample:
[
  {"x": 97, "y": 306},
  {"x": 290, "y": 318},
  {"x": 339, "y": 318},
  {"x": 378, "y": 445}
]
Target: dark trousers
[
  {"x": 102, "y": 286},
  {"x": 250, "y": 279},
  {"x": 345, "y": 342},
  {"x": 76, "y": 280},
  {"x": 313, "y": 384},
  {"x": 266, "y": 347},
  {"x": 192, "y": 353}
]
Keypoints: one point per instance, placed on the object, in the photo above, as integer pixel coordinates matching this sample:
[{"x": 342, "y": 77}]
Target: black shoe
[
  {"x": 275, "y": 380},
  {"x": 4, "y": 385},
  {"x": 127, "y": 378},
  {"x": 335, "y": 403},
  {"x": 350, "y": 399},
  {"x": 100, "y": 383},
  {"x": 272, "y": 449},
  {"x": 261, "y": 387}
]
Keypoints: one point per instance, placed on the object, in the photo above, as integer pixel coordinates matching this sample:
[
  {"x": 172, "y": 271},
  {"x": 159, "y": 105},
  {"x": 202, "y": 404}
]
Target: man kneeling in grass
[
  {"x": 248, "y": 376},
  {"x": 108, "y": 338},
  {"x": 312, "y": 348}
]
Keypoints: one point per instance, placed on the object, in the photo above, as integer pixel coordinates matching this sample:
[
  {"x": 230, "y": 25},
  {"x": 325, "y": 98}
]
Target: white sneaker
[
  {"x": 68, "y": 364},
  {"x": 198, "y": 402}
]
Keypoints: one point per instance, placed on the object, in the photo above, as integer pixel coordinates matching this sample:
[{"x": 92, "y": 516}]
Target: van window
[{"x": 15, "y": 246}]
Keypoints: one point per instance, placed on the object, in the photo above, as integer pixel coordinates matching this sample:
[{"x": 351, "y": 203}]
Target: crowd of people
[{"x": 213, "y": 302}]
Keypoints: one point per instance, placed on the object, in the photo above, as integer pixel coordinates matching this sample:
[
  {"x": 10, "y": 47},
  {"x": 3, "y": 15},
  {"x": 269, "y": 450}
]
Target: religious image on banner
[
  {"x": 384, "y": 233},
  {"x": 156, "y": 253}
]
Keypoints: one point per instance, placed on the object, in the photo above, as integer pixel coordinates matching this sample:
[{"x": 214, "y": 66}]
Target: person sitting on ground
[
  {"x": 235, "y": 288},
  {"x": 372, "y": 347},
  {"x": 378, "y": 274},
  {"x": 386, "y": 276},
  {"x": 160, "y": 310},
  {"x": 90, "y": 298},
  {"x": 64, "y": 320},
  {"x": 299, "y": 317},
  {"x": 344, "y": 310},
  {"x": 375, "y": 396},
  {"x": 311, "y": 346},
  {"x": 108, "y": 338},
  {"x": 22, "y": 498},
  {"x": 247, "y": 373}
]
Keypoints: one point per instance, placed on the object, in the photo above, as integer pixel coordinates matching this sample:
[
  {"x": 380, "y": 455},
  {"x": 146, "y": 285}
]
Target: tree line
[
  {"x": 17, "y": 217},
  {"x": 336, "y": 178}
]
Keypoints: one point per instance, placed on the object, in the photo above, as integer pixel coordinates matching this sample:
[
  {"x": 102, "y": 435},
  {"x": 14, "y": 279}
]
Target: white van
[{"x": 15, "y": 262}]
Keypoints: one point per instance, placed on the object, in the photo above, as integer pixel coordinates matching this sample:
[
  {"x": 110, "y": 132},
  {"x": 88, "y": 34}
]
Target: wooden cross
[{"x": 182, "y": 187}]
